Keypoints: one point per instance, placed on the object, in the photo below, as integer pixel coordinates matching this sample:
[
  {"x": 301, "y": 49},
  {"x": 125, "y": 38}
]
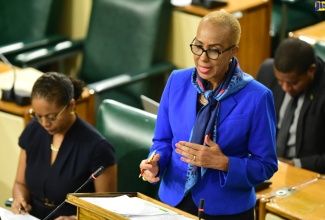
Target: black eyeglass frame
[{"x": 206, "y": 51}]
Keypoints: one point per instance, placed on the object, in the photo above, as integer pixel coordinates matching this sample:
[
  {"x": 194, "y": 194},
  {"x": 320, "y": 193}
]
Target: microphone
[
  {"x": 19, "y": 97},
  {"x": 201, "y": 209},
  {"x": 93, "y": 176}
]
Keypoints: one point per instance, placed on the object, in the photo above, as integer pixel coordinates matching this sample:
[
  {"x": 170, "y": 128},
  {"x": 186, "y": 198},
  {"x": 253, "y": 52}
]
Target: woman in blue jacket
[{"x": 215, "y": 130}]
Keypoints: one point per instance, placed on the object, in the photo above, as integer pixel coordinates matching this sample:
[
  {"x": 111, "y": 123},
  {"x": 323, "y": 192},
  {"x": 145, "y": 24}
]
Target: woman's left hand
[{"x": 209, "y": 156}]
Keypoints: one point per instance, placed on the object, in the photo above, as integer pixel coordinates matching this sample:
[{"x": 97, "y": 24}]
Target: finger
[
  {"x": 156, "y": 158},
  {"x": 191, "y": 145},
  {"x": 183, "y": 146},
  {"x": 18, "y": 210},
  {"x": 210, "y": 143},
  {"x": 207, "y": 140},
  {"x": 150, "y": 179}
]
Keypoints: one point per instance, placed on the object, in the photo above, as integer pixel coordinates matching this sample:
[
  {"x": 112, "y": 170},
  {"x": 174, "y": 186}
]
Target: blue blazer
[{"x": 246, "y": 134}]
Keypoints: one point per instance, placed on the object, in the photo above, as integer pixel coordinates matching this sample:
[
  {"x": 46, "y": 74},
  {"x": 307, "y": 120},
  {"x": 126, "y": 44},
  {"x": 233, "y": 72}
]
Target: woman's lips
[{"x": 204, "y": 70}]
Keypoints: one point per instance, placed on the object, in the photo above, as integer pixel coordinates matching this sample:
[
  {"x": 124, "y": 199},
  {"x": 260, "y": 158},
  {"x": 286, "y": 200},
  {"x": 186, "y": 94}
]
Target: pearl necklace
[{"x": 53, "y": 148}]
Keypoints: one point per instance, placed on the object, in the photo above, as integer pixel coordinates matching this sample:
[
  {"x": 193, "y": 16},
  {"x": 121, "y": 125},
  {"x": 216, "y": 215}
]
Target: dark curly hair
[{"x": 57, "y": 87}]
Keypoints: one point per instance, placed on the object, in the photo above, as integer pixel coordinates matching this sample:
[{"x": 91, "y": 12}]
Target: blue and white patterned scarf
[{"x": 207, "y": 118}]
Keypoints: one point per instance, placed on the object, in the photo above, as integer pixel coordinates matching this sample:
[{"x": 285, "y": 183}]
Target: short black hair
[
  {"x": 57, "y": 87},
  {"x": 294, "y": 54}
]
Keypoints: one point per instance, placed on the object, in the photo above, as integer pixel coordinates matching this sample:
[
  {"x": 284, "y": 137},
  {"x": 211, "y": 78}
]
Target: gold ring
[
  {"x": 19, "y": 209},
  {"x": 194, "y": 157},
  {"x": 144, "y": 179}
]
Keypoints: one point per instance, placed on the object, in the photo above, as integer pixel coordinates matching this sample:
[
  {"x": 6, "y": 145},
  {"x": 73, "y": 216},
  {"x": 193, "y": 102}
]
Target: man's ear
[{"x": 311, "y": 71}]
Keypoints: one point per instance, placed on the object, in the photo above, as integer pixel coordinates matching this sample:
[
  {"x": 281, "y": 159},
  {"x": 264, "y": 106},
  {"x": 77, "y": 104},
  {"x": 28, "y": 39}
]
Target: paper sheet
[
  {"x": 8, "y": 215},
  {"x": 134, "y": 208}
]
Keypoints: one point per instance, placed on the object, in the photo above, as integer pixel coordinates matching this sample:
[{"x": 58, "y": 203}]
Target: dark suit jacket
[{"x": 310, "y": 139}]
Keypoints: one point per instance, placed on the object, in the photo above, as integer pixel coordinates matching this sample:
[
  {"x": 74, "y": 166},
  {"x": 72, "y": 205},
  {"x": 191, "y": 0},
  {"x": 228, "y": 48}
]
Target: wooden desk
[
  {"x": 254, "y": 17},
  {"x": 306, "y": 201},
  {"x": 315, "y": 32},
  {"x": 90, "y": 211},
  {"x": 286, "y": 177}
]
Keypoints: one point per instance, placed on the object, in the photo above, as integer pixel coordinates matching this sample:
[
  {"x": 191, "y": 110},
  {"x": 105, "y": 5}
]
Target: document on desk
[
  {"x": 134, "y": 208},
  {"x": 8, "y": 215}
]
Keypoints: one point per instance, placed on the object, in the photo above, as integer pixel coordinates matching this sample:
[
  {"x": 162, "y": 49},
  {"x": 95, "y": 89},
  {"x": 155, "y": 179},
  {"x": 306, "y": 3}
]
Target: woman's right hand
[
  {"x": 20, "y": 206},
  {"x": 151, "y": 169}
]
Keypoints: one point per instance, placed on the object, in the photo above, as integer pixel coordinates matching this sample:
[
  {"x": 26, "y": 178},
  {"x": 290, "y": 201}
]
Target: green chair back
[
  {"x": 319, "y": 48},
  {"x": 124, "y": 37},
  {"x": 32, "y": 19},
  {"x": 130, "y": 131}
]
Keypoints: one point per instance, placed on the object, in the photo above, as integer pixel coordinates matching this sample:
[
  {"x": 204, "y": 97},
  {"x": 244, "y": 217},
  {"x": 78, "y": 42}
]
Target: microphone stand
[{"x": 93, "y": 176}]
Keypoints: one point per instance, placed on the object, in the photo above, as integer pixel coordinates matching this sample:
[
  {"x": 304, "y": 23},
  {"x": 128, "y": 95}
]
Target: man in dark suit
[{"x": 297, "y": 73}]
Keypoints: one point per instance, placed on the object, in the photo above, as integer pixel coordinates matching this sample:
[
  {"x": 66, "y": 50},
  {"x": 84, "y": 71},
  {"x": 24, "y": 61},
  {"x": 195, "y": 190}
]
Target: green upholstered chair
[
  {"x": 130, "y": 130},
  {"x": 291, "y": 15},
  {"x": 26, "y": 25},
  {"x": 319, "y": 48},
  {"x": 123, "y": 52}
]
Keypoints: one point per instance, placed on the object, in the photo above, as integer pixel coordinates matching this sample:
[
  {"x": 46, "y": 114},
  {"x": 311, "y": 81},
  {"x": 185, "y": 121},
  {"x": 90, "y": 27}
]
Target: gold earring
[{"x": 72, "y": 113}]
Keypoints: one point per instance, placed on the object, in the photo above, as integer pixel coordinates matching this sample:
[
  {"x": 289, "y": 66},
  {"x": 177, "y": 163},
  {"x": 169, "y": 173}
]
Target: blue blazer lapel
[
  {"x": 191, "y": 107},
  {"x": 226, "y": 107}
]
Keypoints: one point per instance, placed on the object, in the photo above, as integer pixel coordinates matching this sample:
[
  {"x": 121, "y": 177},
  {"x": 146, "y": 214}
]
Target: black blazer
[{"x": 310, "y": 137}]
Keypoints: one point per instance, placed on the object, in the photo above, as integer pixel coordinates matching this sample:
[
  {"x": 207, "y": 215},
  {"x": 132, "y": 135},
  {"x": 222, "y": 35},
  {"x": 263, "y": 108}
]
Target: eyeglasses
[
  {"x": 213, "y": 54},
  {"x": 50, "y": 118}
]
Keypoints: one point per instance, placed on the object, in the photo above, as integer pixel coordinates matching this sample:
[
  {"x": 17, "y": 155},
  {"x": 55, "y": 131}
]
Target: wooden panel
[
  {"x": 254, "y": 46},
  {"x": 89, "y": 215},
  {"x": 10, "y": 128},
  {"x": 314, "y": 32},
  {"x": 232, "y": 6}
]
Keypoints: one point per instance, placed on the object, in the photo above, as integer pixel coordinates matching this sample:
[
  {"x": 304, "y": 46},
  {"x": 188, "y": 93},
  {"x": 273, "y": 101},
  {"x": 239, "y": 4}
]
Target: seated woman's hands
[{"x": 20, "y": 206}]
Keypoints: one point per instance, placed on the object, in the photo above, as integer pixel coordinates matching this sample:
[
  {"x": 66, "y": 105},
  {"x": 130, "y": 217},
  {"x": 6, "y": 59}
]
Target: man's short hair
[{"x": 294, "y": 55}]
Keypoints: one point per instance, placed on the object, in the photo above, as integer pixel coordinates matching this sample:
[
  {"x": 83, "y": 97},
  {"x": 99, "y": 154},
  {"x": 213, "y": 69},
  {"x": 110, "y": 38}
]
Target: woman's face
[
  {"x": 54, "y": 119},
  {"x": 214, "y": 37}
]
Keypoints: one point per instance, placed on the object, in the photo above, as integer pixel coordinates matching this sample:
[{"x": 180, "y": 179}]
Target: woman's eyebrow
[{"x": 216, "y": 44}]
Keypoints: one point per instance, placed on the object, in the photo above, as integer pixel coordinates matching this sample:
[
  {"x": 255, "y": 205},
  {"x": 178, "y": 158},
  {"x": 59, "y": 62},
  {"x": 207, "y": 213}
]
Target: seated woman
[{"x": 59, "y": 151}]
